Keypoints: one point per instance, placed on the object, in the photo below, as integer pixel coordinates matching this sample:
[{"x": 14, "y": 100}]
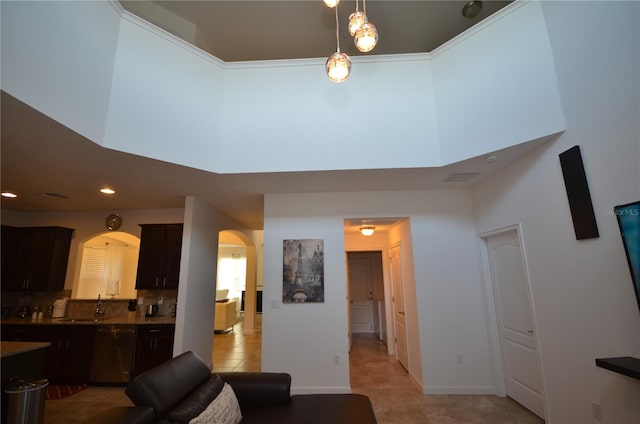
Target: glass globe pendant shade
[
  {"x": 356, "y": 19},
  {"x": 366, "y": 37},
  {"x": 331, "y": 3},
  {"x": 338, "y": 67}
]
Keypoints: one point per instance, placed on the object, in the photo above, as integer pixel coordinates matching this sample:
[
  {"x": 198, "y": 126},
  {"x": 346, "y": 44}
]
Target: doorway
[
  {"x": 237, "y": 342},
  {"x": 366, "y": 293},
  {"x": 519, "y": 359}
]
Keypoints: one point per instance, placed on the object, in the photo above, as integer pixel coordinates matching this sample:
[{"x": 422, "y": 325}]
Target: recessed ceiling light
[
  {"x": 491, "y": 158},
  {"x": 107, "y": 190},
  {"x": 8, "y": 194}
]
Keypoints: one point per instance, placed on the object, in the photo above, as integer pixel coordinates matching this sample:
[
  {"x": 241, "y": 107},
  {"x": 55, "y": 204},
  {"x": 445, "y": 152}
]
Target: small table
[{"x": 625, "y": 365}]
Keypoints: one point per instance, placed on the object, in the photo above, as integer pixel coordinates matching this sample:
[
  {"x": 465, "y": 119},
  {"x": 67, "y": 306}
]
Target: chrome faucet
[{"x": 99, "y": 309}]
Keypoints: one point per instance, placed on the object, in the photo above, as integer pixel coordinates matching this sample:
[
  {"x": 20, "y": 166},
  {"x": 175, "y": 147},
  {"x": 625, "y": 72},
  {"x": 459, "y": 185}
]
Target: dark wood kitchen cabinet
[
  {"x": 35, "y": 258},
  {"x": 68, "y": 359},
  {"x": 154, "y": 345},
  {"x": 159, "y": 257}
]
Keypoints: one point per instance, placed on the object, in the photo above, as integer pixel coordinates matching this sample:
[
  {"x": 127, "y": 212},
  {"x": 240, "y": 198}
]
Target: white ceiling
[{"x": 41, "y": 156}]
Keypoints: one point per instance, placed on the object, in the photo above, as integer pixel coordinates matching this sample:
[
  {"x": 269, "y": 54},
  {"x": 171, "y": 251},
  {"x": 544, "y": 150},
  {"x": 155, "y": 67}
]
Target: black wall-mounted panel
[{"x": 575, "y": 182}]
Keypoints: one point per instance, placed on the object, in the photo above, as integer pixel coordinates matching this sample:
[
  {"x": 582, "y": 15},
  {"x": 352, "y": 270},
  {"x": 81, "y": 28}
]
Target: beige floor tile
[{"x": 395, "y": 398}]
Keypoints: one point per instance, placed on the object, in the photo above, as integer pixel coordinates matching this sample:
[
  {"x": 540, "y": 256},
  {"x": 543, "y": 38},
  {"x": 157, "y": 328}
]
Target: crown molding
[
  {"x": 389, "y": 58},
  {"x": 166, "y": 35},
  {"x": 480, "y": 26}
]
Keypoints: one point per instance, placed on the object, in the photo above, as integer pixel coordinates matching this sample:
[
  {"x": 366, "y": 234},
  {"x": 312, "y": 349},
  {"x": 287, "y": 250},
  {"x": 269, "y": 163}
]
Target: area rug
[{"x": 57, "y": 392}]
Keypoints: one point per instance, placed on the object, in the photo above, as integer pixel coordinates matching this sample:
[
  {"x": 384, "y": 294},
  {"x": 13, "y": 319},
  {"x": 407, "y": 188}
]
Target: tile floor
[
  {"x": 235, "y": 351},
  {"x": 395, "y": 399}
]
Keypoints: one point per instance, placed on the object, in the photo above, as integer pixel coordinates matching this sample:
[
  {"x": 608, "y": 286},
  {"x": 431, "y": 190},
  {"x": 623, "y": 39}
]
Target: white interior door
[
  {"x": 398, "y": 303},
  {"x": 361, "y": 294},
  {"x": 515, "y": 322}
]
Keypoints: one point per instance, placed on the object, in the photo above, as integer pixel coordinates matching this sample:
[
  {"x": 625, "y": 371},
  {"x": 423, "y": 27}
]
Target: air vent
[
  {"x": 55, "y": 195},
  {"x": 458, "y": 177}
]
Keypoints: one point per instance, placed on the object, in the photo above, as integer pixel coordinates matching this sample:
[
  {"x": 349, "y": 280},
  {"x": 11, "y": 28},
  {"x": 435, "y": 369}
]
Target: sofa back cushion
[{"x": 167, "y": 384}]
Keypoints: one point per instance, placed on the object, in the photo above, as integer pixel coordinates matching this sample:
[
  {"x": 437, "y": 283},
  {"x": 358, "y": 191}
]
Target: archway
[
  {"x": 108, "y": 264},
  {"x": 236, "y": 248}
]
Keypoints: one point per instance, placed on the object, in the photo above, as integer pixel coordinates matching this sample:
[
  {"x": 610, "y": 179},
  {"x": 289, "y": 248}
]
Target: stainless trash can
[{"x": 25, "y": 401}]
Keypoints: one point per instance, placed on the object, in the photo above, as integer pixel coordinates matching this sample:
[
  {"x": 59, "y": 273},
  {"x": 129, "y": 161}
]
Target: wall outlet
[
  {"x": 459, "y": 358},
  {"x": 336, "y": 359},
  {"x": 596, "y": 411},
  {"x": 160, "y": 300}
]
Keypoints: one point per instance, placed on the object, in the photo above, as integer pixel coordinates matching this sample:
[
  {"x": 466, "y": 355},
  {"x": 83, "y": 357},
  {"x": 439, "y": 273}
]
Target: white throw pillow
[{"x": 224, "y": 409}]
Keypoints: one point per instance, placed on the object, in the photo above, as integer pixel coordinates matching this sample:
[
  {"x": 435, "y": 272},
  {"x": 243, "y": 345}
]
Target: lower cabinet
[
  {"x": 68, "y": 359},
  {"x": 154, "y": 345}
]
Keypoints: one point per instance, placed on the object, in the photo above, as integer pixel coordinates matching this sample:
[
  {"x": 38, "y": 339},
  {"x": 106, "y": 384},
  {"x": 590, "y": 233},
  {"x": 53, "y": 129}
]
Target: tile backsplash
[{"x": 85, "y": 308}]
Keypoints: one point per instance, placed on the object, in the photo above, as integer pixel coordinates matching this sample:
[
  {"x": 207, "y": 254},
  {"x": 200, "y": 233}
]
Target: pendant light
[
  {"x": 366, "y": 36},
  {"x": 356, "y": 19},
  {"x": 338, "y": 64},
  {"x": 331, "y": 3}
]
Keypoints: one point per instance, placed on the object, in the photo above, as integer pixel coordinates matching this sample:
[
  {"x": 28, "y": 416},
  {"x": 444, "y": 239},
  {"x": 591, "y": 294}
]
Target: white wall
[
  {"x": 198, "y": 264},
  {"x": 448, "y": 310},
  {"x": 130, "y": 86},
  {"x": 58, "y": 57},
  {"x": 583, "y": 298},
  {"x": 166, "y": 98},
  {"x": 496, "y": 87}
]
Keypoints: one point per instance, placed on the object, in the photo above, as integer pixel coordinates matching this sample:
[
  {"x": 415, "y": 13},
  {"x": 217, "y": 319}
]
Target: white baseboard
[{"x": 459, "y": 390}]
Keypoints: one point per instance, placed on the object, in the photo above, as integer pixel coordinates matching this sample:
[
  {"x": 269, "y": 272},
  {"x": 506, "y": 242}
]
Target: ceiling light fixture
[
  {"x": 367, "y": 230},
  {"x": 8, "y": 194},
  {"x": 356, "y": 19},
  {"x": 338, "y": 64},
  {"x": 107, "y": 190},
  {"x": 366, "y": 36},
  {"x": 331, "y": 3}
]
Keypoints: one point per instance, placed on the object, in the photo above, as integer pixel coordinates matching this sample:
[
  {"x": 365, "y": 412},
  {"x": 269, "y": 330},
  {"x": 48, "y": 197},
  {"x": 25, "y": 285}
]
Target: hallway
[{"x": 397, "y": 400}]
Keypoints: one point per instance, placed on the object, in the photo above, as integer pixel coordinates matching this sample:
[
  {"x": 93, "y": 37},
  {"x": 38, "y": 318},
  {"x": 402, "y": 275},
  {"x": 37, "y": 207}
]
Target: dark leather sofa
[{"x": 263, "y": 398}]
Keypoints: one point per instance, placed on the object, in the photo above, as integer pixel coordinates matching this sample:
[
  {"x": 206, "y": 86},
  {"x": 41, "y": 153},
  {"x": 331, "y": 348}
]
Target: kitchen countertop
[
  {"x": 88, "y": 321},
  {"x": 15, "y": 348}
]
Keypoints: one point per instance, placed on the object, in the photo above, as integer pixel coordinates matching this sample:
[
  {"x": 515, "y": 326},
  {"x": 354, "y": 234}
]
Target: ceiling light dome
[
  {"x": 366, "y": 37},
  {"x": 331, "y": 3},
  {"x": 356, "y": 19},
  {"x": 338, "y": 66},
  {"x": 367, "y": 230}
]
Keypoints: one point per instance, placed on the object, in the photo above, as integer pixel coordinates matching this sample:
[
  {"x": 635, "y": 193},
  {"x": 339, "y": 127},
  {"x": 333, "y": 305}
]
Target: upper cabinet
[
  {"x": 35, "y": 258},
  {"x": 159, "y": 258}
]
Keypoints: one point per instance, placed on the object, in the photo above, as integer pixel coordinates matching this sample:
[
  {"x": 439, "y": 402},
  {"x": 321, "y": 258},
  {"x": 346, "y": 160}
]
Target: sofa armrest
[{"x": 259, "y": 389}]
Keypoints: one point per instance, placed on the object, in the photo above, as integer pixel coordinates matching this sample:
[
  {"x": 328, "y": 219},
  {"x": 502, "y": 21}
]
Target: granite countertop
[
  {"x": 15, "y": 348},
  {"x": 89, "y": 321}
]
